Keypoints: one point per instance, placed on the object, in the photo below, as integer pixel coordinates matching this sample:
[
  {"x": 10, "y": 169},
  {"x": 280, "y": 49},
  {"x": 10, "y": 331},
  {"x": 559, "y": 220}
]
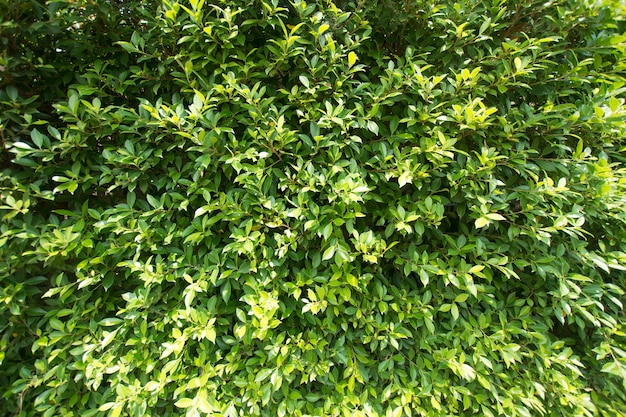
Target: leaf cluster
[{"x": 262, "y": 207}]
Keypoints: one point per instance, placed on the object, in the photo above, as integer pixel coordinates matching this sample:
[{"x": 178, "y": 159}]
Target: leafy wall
[{"x": 240, "y": 208}]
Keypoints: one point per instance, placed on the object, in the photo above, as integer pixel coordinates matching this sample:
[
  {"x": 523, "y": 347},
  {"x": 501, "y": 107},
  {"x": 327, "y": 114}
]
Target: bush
[{"x": 240, "y": 208}]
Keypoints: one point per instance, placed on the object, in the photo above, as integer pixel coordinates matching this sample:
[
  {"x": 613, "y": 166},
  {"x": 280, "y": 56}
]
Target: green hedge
[{"x": 272, "y": 208}]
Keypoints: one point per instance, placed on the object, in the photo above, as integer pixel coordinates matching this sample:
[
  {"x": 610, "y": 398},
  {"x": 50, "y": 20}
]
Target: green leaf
[
  {"x": 614, "y": 368},
  {"x": 486, "y": 25},
  {"x": 128, "y": 47},
  {"x": 73, "y": 102},
  {"x": 54, "y": 132},
  {"x": 12, "y": 92},
  {"x": 226, "y": 290},
  {"x": 461, "y": 298},
  {"x": 454, "y": 310},
  {"x": 108, "y": 281},
  {"x": 57, "y": 325},
  {"x": 328, "y": 253},
  {"x": 352, "y": 280},
  {"x": 444, "y": 308},
  {"x": 184, "y": 403},
  {"x": 153, "y": 201},
  {"x": 111, "y": 321},
  {"x": 130, "y": 199},
  {"x": 372, "y": 127},
  {"x": 37, "y": 138},
  {"x": 263, "y": 375},
  {"x": 393, "y": 125}
]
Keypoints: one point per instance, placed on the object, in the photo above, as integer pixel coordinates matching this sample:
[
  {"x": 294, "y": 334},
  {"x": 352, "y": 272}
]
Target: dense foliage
[{"x": 262, "y": 207}]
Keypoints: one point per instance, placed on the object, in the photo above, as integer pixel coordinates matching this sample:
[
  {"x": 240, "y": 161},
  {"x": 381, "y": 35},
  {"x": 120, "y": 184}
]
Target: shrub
[{"x": 239, "y": 208}]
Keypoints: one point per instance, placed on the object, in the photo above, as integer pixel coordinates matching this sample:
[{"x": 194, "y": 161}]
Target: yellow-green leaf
[
  {"x": 496, "y": 216},
  {"x": 481, "y": 222},
  {"x": 352, "y": 58}
]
